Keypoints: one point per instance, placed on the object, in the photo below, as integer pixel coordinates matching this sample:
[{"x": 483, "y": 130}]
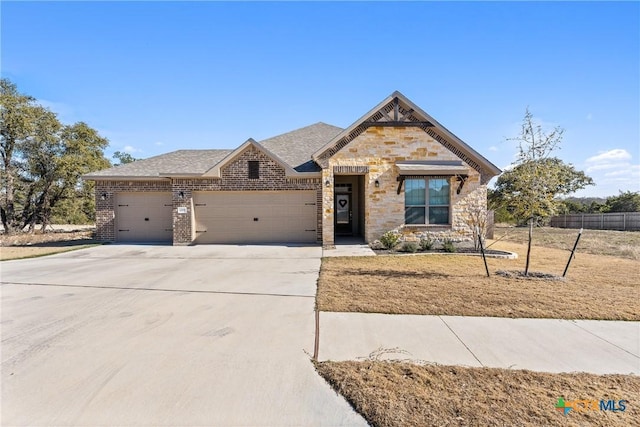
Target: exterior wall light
[
  {"x": 104, "y": 196},
  {"x": 327, "y": 183},
  {"x": 181, "y": 195},
  {"x": 377, "y": 184}
]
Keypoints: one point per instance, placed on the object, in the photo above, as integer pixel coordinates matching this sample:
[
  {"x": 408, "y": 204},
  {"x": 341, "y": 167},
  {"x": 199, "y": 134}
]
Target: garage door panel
[
  {"x": 144, "y": 217},
  {"x": 230, "y": 217}
]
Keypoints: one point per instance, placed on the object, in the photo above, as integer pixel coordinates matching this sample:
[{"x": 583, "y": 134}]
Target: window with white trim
[{"x": 426, "y": 201}]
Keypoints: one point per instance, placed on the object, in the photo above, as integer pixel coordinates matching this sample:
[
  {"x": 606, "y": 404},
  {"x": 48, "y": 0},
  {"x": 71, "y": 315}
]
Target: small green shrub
[
  {"x": 410, "y": 247},
  {"x": 448, "y": 246},
  {"x": 389, "y": 239},
  {"x": 426, "y": 243}
]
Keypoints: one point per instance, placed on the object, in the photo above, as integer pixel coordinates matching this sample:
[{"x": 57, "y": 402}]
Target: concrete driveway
[{"x": 157, "y": 335}]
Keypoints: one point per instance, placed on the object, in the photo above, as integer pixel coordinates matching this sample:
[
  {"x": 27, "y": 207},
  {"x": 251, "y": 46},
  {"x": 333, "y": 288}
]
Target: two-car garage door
[{"x": 255, "y": 216}]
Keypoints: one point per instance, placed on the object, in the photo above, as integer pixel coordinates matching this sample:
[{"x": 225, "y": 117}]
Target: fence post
[
  {"x": 582, "y": 225},
  {"x": 602, "y": 221},
  {"x": 624, "y": 221}
]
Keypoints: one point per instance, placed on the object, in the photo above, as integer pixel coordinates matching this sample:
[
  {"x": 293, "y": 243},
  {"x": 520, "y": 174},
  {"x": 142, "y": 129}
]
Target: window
[
  {"x": 254, "y": 169},
  {"x": 426, "y": 201}
]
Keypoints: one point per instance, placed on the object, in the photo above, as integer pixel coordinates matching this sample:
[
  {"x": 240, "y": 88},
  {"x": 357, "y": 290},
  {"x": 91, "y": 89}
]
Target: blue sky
[{"x": 155, "y": 77}]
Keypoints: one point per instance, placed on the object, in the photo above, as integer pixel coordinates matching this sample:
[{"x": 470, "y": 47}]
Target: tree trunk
[
  {"x": 526, "y": 267},
  {"x": 8, "y": 212}
]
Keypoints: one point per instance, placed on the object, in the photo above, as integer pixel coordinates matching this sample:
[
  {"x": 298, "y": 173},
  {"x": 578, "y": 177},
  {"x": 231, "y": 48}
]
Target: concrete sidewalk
[
  {"x": 547, "y": 345},
  {"x": 349, "y": 247}
]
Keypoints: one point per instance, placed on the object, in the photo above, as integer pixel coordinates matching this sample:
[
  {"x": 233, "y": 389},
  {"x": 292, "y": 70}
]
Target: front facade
[{"x": 394, "y": 169}]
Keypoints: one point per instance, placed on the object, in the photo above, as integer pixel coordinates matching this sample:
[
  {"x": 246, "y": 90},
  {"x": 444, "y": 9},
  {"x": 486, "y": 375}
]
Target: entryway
[{"x": 348, "y": 219}]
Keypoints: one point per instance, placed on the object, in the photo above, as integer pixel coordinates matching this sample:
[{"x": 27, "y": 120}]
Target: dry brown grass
[
  {"x": 597, "y": 287},
  {"x": 26, "y": 245},
  {"x": 624, "y": 244},
  {"x": 401, "y": 394}
]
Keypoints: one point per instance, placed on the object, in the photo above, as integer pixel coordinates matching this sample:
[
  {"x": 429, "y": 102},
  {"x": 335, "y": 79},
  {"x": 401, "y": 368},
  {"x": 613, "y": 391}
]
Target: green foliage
[
  {"x": 624, "y": 202},
  {"x": 77, "y": 209},
  {"x": 500, "y": 212},
  {"x": 390, "y": 239},
  {"x": 123, "y": 158},
  {"x": 581, "y": 205},
  {"x": 531, "y": 189},
  {"x": 426, "y": 243},
  {"x": 43, "y": 161},
  {"x": 410, "y": 247},
  {"x": 448, "y": 245}
]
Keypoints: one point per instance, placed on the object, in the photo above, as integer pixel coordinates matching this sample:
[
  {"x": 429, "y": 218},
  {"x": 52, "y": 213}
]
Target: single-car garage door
[
  {"x": 144, "y": 217},
  {"x": 255, "y": 216}
]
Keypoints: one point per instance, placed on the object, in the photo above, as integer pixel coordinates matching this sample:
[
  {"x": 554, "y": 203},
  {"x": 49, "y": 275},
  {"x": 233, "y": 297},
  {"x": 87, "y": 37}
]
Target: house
[{"x": 395, "y": 168}]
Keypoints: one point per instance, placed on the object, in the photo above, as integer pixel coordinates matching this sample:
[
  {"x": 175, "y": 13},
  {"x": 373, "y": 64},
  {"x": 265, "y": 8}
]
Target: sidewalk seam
[
  {"x": 462, "y": 342},
  {"x": 599, "y": 337}
]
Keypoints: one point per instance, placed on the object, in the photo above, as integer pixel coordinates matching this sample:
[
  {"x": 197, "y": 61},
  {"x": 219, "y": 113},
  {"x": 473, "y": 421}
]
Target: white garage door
[
  {"x": 144, "y": 217},
  {"x": 255, "y": 216}
]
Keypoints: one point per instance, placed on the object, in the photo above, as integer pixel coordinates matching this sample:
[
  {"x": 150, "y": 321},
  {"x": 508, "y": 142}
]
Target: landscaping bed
[{"x": 458, "y": 251}]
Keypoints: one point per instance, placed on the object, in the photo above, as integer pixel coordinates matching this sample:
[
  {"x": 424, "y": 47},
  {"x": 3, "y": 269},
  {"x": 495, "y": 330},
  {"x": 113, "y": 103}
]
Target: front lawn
[
  {"x": 401, "y": 394},
  {"x": 31, "y": 245},
  {"x": 623, "y": 244},
  {"x": 597, "y": 287}
]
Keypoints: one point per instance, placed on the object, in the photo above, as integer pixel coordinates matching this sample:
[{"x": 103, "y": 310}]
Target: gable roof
[
  {"x": 215, "y": 170},
  {"x": 296, "y": 147},
  {"x": 181, "y": 162},
  {"x": 292, "y": 150},
  {"x": 406, "y": 113},
  {"x": 302, "y": 151}
]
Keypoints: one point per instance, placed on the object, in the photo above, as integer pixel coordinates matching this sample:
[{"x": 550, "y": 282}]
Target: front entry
[
  {"x": 344, "y": 214},
  {"x": 348, "y": 206}
]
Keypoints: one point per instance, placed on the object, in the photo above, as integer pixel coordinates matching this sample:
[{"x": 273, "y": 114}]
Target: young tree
[{"x": 530, "y": 189}]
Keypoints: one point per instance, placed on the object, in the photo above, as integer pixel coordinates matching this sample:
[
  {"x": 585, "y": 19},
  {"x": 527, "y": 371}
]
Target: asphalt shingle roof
[
  {"x": 294, "y": 148},
  {"x": 176, "y": 162}
]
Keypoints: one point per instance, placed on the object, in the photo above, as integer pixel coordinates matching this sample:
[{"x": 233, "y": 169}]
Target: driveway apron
[{"x": 157, "y": 335}]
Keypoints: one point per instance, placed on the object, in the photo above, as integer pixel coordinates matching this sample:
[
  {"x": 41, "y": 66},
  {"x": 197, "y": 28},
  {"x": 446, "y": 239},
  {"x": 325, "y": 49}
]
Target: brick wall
[
  {"x": 234, "y": 177},
  {"x": 105, "y": 209}
]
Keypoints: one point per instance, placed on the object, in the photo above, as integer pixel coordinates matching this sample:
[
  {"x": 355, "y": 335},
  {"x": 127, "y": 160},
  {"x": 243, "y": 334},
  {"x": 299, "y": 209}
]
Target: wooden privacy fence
[{"x": 605, "y": 221}]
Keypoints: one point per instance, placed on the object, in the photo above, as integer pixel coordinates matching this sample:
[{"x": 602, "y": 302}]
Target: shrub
[
  {"x": 426, "y": 243},
  {"x": 409, "y": 247},
  {"x": 389, "y": 239},
  {"x": 448, "y": 246}
]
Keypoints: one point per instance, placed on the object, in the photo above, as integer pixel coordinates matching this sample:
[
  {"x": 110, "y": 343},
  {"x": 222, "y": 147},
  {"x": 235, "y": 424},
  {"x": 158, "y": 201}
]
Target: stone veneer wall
[
  {"x": 380, "y": 148},
  {"x": 234, "y": 177}
]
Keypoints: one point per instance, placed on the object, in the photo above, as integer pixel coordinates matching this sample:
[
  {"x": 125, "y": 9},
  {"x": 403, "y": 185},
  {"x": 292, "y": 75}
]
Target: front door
[{"x": 344, "y": 214}]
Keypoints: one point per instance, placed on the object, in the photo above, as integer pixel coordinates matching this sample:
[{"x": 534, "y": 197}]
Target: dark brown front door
[{"x": 344, "y": 214}]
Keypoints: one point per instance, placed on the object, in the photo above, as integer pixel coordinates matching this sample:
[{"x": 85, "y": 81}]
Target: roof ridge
[{"x": 299, "y": 129}]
